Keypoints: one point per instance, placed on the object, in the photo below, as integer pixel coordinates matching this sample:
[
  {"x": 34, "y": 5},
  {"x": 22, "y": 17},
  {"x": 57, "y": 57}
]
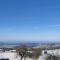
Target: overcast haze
[{"x": 30, "y": 20}]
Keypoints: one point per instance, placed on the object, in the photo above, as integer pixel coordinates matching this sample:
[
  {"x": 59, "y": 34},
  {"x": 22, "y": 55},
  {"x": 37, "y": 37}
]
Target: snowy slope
[{"x": 13, "y": 55}]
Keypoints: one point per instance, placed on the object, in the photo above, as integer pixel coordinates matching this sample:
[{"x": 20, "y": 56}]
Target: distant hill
[
  {"x": 2, "y": 43},
  {"x": 15, "y": 44}
]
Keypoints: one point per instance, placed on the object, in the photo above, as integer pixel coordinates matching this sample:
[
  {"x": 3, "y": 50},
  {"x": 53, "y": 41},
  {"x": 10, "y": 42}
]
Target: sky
[{"x": 29, "y": 20}]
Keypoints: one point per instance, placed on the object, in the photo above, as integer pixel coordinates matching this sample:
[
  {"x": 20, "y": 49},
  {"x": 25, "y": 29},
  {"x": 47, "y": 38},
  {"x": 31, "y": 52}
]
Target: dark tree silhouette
[
  {"x": 22, "y": 51},
  {"x": 36, "y": 53}
]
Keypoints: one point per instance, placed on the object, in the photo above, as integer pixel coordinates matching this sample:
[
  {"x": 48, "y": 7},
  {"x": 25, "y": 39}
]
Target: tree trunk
[
  {"x": 21, "y": 58},
  {"x": 24, "y": 58}
]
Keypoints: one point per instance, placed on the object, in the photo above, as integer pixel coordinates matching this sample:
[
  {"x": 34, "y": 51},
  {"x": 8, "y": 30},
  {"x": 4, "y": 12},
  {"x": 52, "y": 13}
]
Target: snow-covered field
[
  {"x": 55, "y": 52},
  {"x": 8, "y": 55},
  {"x": 13, "y": 55}
]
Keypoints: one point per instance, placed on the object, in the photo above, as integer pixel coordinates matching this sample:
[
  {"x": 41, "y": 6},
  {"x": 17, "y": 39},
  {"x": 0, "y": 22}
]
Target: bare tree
[
  {"x": 22, "y": 51},
  {"x": 36, "y": 53}
]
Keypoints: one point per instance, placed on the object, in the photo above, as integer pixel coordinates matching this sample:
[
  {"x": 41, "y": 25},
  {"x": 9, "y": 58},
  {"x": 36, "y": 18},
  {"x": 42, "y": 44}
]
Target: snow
[
  {"x": 9, "y": 55},
  {"x": 53, "y": 52},
  {"x": 13, "y": 55}
]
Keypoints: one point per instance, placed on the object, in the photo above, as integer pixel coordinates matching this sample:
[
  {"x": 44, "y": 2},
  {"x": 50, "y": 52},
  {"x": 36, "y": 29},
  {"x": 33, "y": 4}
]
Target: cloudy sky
[{"x": 30, "y": 20}]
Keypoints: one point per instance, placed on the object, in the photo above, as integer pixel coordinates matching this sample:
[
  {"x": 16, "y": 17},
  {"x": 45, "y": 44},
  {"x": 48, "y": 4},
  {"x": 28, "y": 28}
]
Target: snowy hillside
[{"x": 13, "y": 55}]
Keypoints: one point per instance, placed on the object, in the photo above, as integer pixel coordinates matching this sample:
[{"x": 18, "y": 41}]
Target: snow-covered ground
[
  {"x": 13, "y": 55},
  {"x": 55, "y": 52},
  {"x": 8, "y": 55}
]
